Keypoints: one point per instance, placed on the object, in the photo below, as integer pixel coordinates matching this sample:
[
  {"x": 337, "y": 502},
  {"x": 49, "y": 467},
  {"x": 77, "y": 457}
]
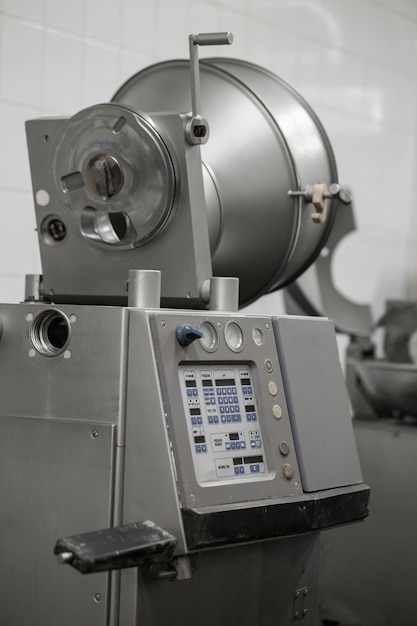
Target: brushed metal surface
[
  {"x": 84, "y": 386},
  {"x": 55, "y": 479},
  {"x": 264, "y": 141}
]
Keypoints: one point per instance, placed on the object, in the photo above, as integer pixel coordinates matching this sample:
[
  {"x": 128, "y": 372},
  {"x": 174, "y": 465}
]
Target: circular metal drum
[{"x": 265, "y": 141}]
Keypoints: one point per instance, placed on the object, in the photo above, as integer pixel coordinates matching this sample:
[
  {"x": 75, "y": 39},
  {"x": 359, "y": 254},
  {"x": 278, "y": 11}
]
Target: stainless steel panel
[
  {"x": 368, "y": 570},
  {"x": 80, "y": 385},
  {"x": 90, "y": 262},
  {"x": 253, "y": 585},
  {"x": 55, "y": 480},
  {"x": 150, "y": 488},
  {"x": 318, "y": 403}
]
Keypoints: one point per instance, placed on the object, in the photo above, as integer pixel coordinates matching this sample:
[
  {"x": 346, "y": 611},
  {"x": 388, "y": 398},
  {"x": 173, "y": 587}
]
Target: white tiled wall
[{"x": 355, "y": 61}]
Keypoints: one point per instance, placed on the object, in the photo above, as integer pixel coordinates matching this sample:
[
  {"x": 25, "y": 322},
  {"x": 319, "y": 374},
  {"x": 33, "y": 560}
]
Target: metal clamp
[
  {"x": 319, "y": 194},
  {"x": 197, "y": 129}
]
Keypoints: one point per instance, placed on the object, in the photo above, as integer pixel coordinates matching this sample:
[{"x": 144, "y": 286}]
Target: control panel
[
  {"x": 228, "y": 424},
  {"x": 222, "y": 419}
]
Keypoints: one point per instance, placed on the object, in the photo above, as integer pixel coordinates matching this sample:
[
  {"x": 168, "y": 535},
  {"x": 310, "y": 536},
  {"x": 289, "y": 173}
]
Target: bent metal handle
[{"x": 203, "y": 39}]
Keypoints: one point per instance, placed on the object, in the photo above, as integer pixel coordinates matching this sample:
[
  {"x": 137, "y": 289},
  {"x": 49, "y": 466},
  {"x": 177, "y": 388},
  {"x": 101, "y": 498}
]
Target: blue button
[
  {"x": 199, "y": 420},
  {"x": 234, "y": 417},
  {"x": 254, "y": 468},
  {"x": 253, "y": 444},
  {"x": 204, "y": 448},
  {"x": 238, "y": 418},
  {"x": 258, "y": 444},
  {"x": 242, "y": 445},
  {"x": 233, "y": 445},
  {"x": 227, "y": 409},
  {"x": 237, "y": 471},
  {"x": 212, "y": 401},
  {"x": 236, "y": 400},
  {"x": 198, "y": 449},
  {"x": 249, "y": 417},
  {"x": 224, "y": 391},
  {"x": 244, "y": 390},
  {"x": 229, "y": 391},
  {"x": 250, "y": 390},
  {"x": 219, "y": 392},
  {"x": 253, "y": 417},
  {"x": 228, "y": 418},
  {"x": 210, "y": 419},
  {"x": 227, "y": 446},
  {"x": 216, "y": 419},
  {"x": 241, "y": 469},
  {"x": 189, "y": 392},
  {"x": 195, "y": 392},
  {"x": 238, "y": 445},
  {"x": 193, "y": 421},
  {"x": 222, "y": 409},
  {"x": 234, "y": 391},
  {"x": 223, "y": 419}
]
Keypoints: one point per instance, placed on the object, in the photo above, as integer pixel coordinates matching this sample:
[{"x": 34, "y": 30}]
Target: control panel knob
[{"x": 186, "y": 334}]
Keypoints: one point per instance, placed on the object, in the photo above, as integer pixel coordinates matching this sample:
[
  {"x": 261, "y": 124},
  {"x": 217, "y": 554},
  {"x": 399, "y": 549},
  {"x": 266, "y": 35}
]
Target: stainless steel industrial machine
[{"x": 183, "y": 456}]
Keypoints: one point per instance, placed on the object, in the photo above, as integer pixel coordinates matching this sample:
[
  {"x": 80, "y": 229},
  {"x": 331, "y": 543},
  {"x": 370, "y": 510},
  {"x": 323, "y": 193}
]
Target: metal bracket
[
  {"x": 318, "y": 195},
  {"x": 300, "y": 610}
]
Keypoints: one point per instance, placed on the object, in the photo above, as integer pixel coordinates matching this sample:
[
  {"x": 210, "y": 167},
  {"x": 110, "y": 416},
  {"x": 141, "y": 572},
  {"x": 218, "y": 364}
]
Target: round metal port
[{"x": 50, "y": 332}]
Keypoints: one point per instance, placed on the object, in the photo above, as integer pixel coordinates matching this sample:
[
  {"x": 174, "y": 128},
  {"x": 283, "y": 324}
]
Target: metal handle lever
[
  {"x": 197, "y": 127},
  {"x": 213, "y": 39}
]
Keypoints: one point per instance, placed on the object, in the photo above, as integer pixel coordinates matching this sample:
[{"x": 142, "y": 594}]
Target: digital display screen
[
  {"x": 234, "y": 436},
  {"x": 225, "y": 382},
  {"x": 190, "y": 383},
  {"x": 195, "y": 411},
  {"x": 207, "y": 382},
  {"x": 199, "y": 439},
  {"x": 237, "y": 460},
  {"x": 249, "y": 408},
  {"x": 253, "y": 459},
  {"x": 245, "y": 381}
]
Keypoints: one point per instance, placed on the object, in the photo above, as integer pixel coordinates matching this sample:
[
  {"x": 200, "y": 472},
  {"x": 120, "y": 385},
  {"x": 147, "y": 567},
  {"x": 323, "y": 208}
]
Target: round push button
[
  {"x": 277, "y": 411},
  {"x": 272, "y": 388}
]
